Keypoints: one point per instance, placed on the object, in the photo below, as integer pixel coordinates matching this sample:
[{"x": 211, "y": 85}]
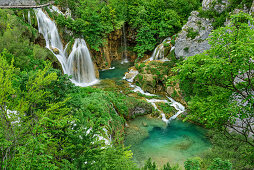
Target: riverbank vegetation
[
  {"x": 148, "y": 22},
  {"x": 48, "y": 122},
  {"x": 218, "y": 85}
]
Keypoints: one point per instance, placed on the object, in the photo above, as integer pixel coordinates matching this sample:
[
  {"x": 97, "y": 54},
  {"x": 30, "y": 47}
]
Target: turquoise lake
[
  {"x": 173, "y": 143},
  {"x": 117, "y": 73}
]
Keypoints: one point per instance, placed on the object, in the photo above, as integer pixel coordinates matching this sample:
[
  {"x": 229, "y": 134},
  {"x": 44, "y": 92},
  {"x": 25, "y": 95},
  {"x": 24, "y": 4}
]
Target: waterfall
[
  {"x": 79, "y": 63},
  {"x": 158, "y": 53},
  {"x": 178, "y": 106},
  {"x": 29, "y": 17},
  {"x": 125, "y": 57}
]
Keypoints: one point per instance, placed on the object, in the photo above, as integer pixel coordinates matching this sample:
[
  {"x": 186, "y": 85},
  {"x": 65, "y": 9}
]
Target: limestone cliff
[
  {"x": 192, "y": 39},
  {"x": 113, "y": 49}
]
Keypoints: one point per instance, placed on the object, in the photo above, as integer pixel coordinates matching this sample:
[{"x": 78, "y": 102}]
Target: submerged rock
[{"x": 145, "y": 124}]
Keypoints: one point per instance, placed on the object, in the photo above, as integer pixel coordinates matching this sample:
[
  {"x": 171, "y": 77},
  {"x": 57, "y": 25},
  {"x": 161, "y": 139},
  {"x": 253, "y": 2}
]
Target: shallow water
[
  {"x": 118, "y": 72},
  {"x": 174, "y": 143}
]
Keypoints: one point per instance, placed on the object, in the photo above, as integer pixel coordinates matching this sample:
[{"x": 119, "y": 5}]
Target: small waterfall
[
  {"x": 29, "y": 17},
  {"x": 130, "y": 75},
  {"x": 79, "y": 63},
  {"x": 153, "y": 101},
  {"x": 178, "y": 106},
  {"x": 158, "y": 53},
  {"x": 124, "y": 55}
]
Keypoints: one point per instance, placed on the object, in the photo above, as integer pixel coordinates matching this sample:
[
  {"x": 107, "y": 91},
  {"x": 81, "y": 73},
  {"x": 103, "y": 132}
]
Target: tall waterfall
[
  {"x": 125, "y": 57},
  {"x": 79, "y": 63}
]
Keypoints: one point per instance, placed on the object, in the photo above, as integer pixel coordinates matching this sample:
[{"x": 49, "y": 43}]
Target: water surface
[
  {"x": 174, "y": 143},
  {"x": 118, "y": 72}
]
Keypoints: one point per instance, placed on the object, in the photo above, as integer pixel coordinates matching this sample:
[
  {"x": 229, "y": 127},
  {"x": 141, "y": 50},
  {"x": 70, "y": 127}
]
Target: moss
[
  {"x": 191, "y": 33},
  {"x": 186, "y": 49}
]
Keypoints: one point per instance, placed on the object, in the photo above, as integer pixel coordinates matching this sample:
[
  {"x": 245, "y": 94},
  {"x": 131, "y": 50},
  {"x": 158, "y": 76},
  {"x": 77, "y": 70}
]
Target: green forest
[{"x": 50, "y": 120}]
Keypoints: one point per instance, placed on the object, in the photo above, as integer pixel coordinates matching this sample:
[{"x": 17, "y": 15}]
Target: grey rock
[
  {"x": 251, "y": 11},
  {"x": 17, "y": 2},
  {"x": 185, "y": 46},
  {"x": 219, "y": 7},
  {"x": 138, "y": 111}
]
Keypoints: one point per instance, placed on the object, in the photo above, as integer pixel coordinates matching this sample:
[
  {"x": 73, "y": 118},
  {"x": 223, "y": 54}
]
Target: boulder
[{"x": 55, "y": 50}]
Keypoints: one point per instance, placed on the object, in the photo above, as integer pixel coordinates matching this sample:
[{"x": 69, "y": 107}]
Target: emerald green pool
[
  {"x": 118, "y": 72},
  {"x": 174, "y": 143}
]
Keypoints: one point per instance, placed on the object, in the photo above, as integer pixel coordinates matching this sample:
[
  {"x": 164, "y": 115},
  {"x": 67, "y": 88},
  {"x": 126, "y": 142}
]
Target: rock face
[
  {"x": 112, "y": 50},
  {"x": 251, "y": 12},
  {"x": 193, "y": 38},
  {"x": 219, "y": 7},
  {"x": 17, "y": 2}
]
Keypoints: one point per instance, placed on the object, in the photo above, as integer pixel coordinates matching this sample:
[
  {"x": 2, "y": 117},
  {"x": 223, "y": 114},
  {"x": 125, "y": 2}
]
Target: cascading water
[
  {"x": 29, "y": 17},
  {"x": 79, "y": 63},
  {"x": 125, "y": 57},
  {"x": 178, "y": 106},
  {"x": 158, "y": 53}
]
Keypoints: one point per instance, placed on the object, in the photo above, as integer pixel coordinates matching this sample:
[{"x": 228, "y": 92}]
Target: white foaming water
[
  {"x": 178, "y": 106},
  {"x": 79, "y": 63},
  {"x": 133, "y": 74},
  {"x": 153, "y": 101},
  {"x": 138, "y": 89},
  {"x": 158, "y": 53},
  {"x": 29, "y": 17},
  {"x": 55, "y": 9},
  {"x": 125, "y": 57},
  {"x": 107, "y": 140},
  {"x": 111, "y": 68}
]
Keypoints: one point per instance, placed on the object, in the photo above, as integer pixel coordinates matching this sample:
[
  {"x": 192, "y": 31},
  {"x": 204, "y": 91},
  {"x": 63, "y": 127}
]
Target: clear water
[
  {"x": 174, "y": 143},
  {"x": 117, "y": 73}
]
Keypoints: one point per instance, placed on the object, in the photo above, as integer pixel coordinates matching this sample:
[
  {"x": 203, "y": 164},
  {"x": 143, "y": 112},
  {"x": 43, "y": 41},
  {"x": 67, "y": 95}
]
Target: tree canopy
[{"x": 218, "y": 84}]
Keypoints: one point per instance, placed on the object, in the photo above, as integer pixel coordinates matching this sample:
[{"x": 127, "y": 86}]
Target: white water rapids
[{"x": 79, "y": 63}]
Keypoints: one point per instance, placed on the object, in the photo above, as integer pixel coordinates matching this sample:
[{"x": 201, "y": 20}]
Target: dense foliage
[
  {"x": 149, "y": 21},
  {"x": 219, "y": 17},
  {"x": 219, "y": 83},
  {"x": 45, "y": 119},
  {"x": 48, "y": 123}
]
